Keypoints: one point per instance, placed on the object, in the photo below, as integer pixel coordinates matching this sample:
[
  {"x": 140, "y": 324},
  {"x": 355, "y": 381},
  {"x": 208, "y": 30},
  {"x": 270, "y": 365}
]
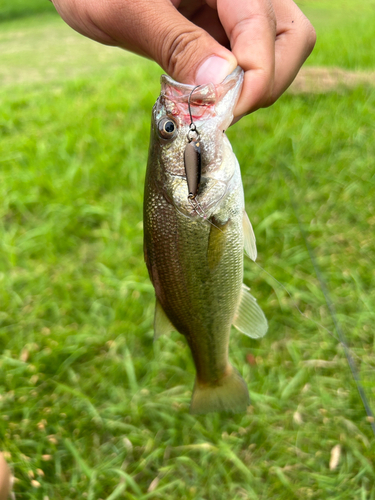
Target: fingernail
[{"x": 213, "y": 70}]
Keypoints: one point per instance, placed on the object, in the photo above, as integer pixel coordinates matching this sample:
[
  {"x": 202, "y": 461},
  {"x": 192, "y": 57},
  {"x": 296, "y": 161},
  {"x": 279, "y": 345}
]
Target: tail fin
[{"x": 230, "y": 393}]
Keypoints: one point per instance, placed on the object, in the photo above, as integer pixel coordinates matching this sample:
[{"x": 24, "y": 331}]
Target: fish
[{"x": 195, "y": 232}]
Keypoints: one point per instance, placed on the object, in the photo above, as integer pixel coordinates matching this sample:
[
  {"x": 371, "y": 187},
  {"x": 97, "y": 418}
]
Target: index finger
[{"x": 251, "y": 28}]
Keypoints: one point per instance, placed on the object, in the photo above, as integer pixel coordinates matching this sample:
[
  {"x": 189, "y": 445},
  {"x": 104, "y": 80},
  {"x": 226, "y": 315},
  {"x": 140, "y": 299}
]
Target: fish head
[{"x": 209, "y": 108}]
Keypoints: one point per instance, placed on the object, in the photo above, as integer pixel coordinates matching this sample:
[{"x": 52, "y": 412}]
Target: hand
[{"x": 201, "y": 41}]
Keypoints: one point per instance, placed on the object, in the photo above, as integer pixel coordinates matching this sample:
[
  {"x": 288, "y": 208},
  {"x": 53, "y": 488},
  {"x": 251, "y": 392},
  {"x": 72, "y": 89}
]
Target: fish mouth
[
  {"x": 202, "y": 99},
  {"x": 181, "y": 91}
]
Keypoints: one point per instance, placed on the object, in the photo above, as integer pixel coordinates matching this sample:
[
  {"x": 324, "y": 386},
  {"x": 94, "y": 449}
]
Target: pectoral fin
[
  {"x": 162, "y": 325},
  {"x": 216, "y": 244},
  {"x": 249, "y": 318},
  {"x": 249, "y": 237}
]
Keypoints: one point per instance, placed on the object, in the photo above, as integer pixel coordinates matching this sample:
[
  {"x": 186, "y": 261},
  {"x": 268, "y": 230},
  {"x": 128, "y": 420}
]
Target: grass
[
  {"x": 89, "y": 408},
  {"x": 42, "y": 49},
  {"x": 345, "y": 36},
  {"x": 16, "y": 9}
]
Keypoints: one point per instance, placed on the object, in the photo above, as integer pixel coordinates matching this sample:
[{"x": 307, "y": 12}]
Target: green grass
[
  {"x": 15, "y": 9},
  {"x": 89, "y": 408},
  {"x": 43, "y": 49},
  {"x": 345, "y": 33}
]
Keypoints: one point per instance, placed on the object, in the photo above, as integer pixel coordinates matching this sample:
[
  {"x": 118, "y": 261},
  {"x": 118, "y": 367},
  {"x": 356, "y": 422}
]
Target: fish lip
[
  {"x": 199, "y": 102},
  {"x": 186, "y": 88}
]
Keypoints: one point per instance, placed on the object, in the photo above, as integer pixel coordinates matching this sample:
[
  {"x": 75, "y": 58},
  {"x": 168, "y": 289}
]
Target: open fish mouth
[{"x": 203, "y": 99}]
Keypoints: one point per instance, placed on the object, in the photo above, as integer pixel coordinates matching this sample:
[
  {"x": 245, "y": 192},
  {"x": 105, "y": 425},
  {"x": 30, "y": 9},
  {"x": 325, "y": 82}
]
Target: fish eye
[{"x": 167, "y": 128}]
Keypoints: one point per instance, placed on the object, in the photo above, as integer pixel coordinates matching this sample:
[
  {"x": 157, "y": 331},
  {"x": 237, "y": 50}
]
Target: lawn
[{"x": 89, "y": 406}]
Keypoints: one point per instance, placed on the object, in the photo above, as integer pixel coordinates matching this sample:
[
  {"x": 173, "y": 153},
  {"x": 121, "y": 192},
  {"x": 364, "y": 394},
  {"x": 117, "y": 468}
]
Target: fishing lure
[{"x": 192, "y": 156}]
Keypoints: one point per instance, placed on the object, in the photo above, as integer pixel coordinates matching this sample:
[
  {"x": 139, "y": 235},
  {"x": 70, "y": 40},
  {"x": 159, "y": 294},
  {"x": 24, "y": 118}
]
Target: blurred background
[{"x": 89, "y": 408}]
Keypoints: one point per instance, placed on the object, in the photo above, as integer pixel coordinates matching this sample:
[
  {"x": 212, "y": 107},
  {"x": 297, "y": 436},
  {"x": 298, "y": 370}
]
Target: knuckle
[
  {"x": 254, "y": 27},
  {"x": 266, "y": 97},
  {"x": 311, "y": 37},
  {"x": 265, "y": 94},
  {"x": 309, "y": 34},
  {"x": 269, "y": 99},
  {"x": 178, "y": 48}
]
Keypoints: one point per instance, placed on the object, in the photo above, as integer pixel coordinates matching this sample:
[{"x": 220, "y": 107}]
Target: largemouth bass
[{"x": 195, "y": 231}]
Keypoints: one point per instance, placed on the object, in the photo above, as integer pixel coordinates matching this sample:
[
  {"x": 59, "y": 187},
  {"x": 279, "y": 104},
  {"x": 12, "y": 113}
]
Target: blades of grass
[
  {"x": 75, "y": 392},
  {"x": 58, "y": 467},
  {"x": 130, "y": 372},
  {"x": 365, "y": 462},
  {"x": 284, "y": 480},
  {"x": 158, "y": 491},
  {"x": 128, "y": 480},
  {"x": 80, "y": 461},
  {"x": 117, "y": 492},
  {"x": 257, "y": 397},
  {"x": 197, "y": 446},
  {"x": 332, "y": 311},
  {"x": 71, "y": 359},
  {"x": 297, "y": 381},
  {"x": 117, "y": 425},
  {"x": 91, "y": 492},
  {"x": 238, "y": 463},
  {"x": 363, "y": 492}
]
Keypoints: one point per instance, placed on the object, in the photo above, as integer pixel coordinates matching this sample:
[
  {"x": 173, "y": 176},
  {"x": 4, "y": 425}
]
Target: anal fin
[
  {"x": 162, "y": 324},
  {"x": 249, "y": 237},
  {"x": 249, "y": 318}
]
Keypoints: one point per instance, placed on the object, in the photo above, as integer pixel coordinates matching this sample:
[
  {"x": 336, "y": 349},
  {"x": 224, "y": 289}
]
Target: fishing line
[
  {"x": 192, "y": 124},
  {"x": 294, "y": 303},
  {"x": 332, "y": 311},
  {"x": 341, "y": 337}
]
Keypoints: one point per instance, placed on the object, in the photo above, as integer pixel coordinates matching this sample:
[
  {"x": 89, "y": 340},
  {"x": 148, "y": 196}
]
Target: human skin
[
  {"x": 4, "y": 478},
  {"x": 197, "y": 41}
]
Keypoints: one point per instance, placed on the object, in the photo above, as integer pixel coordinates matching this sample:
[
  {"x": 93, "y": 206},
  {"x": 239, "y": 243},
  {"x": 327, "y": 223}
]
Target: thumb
[{"x": 154, "y": 29}]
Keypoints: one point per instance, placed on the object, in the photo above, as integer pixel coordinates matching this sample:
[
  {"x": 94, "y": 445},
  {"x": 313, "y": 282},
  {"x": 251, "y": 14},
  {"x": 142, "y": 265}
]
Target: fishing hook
[{"x": 192, "y": 126}]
